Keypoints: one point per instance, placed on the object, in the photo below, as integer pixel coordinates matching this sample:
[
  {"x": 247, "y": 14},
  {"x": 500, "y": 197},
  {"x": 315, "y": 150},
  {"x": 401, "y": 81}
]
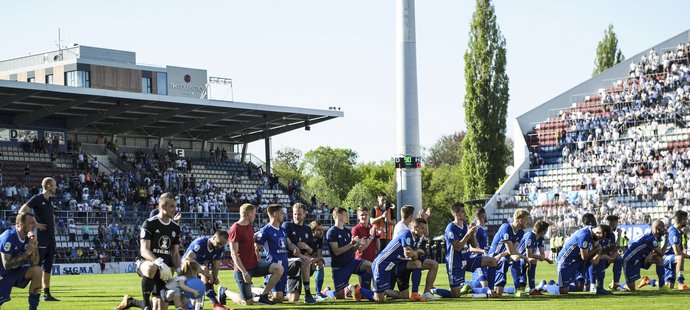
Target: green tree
[
  {"x": 335, "y": 169},
  {"x": 486, "y": 105},
  {"x": 288, "y": 163},
  {"x": 442, "y": 187},
  {"x": 608, "y": 52},
  {"x": 446, "y": 151}
]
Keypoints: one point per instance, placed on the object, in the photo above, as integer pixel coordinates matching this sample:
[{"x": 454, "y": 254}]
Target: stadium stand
[
  {"x": 100, "y": 208},
  {"x": 622, "y": 150}
]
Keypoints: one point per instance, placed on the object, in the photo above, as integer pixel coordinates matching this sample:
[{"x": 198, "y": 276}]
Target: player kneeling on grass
[
  {"x": 674, "y": 260},
  {"x": 403, "y": 275},
  {"x": 175, "y": 290},
  {"x": 644, "y": 252},
  {"x": 317, "y": 260},
  {"x": 299, "y": 260},
  {"x": 578, "y": 249},
  {"x": 343, "y": 263},
  {"x": 401, "y": 252},
  {"x": 503, "y": 247},
  {"x": 524, "y": 271},
  {"x": 19, "y": 250},
  {"x": 241, "y": 239},
  {"x": 458, "y": 237},
  {"x": 208, "y": 252},
  {"x": 608, "y": 255}
]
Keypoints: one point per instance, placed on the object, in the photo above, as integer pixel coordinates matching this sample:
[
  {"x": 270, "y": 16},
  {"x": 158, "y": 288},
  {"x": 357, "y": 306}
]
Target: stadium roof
[{"x": 107, "y": 112}]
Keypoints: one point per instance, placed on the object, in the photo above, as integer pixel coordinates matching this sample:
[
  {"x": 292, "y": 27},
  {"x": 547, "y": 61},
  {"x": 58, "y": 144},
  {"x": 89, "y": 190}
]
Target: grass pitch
[{"x": 105, "y": 292}]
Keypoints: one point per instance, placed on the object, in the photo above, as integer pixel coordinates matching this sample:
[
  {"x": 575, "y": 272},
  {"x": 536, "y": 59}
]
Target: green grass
[{"x": 105, "y": 291}]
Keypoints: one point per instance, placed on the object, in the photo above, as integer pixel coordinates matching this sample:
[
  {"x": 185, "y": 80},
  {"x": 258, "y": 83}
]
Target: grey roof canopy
[{"x": 100, "y": 111}]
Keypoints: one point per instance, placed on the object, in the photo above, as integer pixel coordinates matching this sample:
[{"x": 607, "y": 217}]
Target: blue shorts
[
  {"x": 480, "y": 273},
  {"x": 383, "y": 274},
  {"x": 281, "y": 286},
  {"x": 568, "y": 273},
  {"x": 341, "y": 275},
  {"x": 456, "y": 274},
  {"x": 670, "y": 267},
  {"x": 13, "y": 278},
  {"x": 632, "y": 269},
  {"x": 519, "y": 272}
]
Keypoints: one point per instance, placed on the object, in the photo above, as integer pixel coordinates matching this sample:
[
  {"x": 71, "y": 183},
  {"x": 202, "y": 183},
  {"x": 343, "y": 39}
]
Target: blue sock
[
  {"x": 367, "y": 293},
  {"x": 617, "y": 269},
  {"x": 319, "y": 279},
  {"x": 33, "y": 301},
  {"x": 365, "y": 279},
  {"x": 531, "y": 275},
  {"x": 416, "y": 279},
  {"x": 475, "y": 284},
  {"x": 480, "y": 290},
  {"x": 660, "y": 274},
  {"x": 601, "y": 274},
  {"x": 210, "y": 293},
  {"x": 330, "y": 294},
  {"x": 592, "y": 274},
  {"x": 681, "y": 279},
  {"x": 442, "y": 292}
]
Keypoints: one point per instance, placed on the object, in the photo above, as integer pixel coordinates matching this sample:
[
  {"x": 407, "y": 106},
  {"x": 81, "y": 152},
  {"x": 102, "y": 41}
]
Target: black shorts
[
  {"x": 46, "y": 255},
  {"x": 294, "y": 275},
  {"x": 159, "y": 284}
]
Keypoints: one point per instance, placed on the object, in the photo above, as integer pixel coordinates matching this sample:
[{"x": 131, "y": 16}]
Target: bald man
[
  {"x": 644, "y": 252},
  {"x": 42, "y": 209}
]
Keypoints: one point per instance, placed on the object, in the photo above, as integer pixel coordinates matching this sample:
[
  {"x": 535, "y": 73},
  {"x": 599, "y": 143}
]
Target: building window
[
  {"x": 49, "y": 79},
  {"x": 31, "y": 80},
  {"x": 162, "y": 83},
  {"x": 146, "y": 85},
  {"x": 78, "y": 79}
]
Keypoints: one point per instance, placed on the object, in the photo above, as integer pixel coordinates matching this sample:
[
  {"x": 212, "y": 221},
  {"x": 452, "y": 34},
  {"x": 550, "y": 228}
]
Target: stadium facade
[{"x": 81, "y": 93}]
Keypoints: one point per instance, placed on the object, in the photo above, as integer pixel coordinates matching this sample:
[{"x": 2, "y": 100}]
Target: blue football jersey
[
  {"x": 274, "y": 241},
  {"x": 200, "y": 248},
  {"x": 454, "y": 232},
  {"x": 12, "y": 245},
  {"x": 342, "y": 237},
  {"x": 640, "y": 248},
  {"x": 394, "y": 251},
  {"x": 675, "y": 237},
  {"x": 530, "y": 241},
  {"x": 298, "y": 233},
  {"x": 482, "y": 238},
  {"x": 505, "y": 233},
  {"x": 581, "y": 239}
]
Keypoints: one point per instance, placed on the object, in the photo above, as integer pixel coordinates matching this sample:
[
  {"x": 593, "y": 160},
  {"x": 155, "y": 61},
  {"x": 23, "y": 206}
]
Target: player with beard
[
  {"x": 159, "y": 253},
  {"x": 19, "y": 251},
  {"x": 299, "y": 259}
]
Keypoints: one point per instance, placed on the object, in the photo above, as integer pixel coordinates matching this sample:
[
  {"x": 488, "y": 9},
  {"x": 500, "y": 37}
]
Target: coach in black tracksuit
[{"x": 43, "y": 212}]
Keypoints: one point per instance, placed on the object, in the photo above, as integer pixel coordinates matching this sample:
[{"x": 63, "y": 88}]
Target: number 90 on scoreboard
[{"x": 408, "y": 162}]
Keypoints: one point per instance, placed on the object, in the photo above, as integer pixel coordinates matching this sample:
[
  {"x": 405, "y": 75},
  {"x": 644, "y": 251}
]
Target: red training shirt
[
  {"x": 363, "y": 232},
  {"x": 244, "y": 236}
]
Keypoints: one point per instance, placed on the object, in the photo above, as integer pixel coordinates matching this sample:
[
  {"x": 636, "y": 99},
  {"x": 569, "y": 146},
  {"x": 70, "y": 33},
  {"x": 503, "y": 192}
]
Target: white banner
[{"x": 93, "y": 268}]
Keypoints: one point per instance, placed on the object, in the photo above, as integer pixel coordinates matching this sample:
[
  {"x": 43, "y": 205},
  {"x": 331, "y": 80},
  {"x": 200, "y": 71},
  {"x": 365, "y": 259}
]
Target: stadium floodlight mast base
[{"x": 408, "y": 172}]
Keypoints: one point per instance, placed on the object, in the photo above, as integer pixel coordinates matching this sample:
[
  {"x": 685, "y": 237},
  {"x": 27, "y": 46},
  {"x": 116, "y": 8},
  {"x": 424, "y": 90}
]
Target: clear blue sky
[{"x": 318, "y": 54}]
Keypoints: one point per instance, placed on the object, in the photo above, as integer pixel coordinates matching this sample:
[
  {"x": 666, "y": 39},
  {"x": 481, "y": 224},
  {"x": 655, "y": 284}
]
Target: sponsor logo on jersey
[{"x": 164, "y": 242}]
